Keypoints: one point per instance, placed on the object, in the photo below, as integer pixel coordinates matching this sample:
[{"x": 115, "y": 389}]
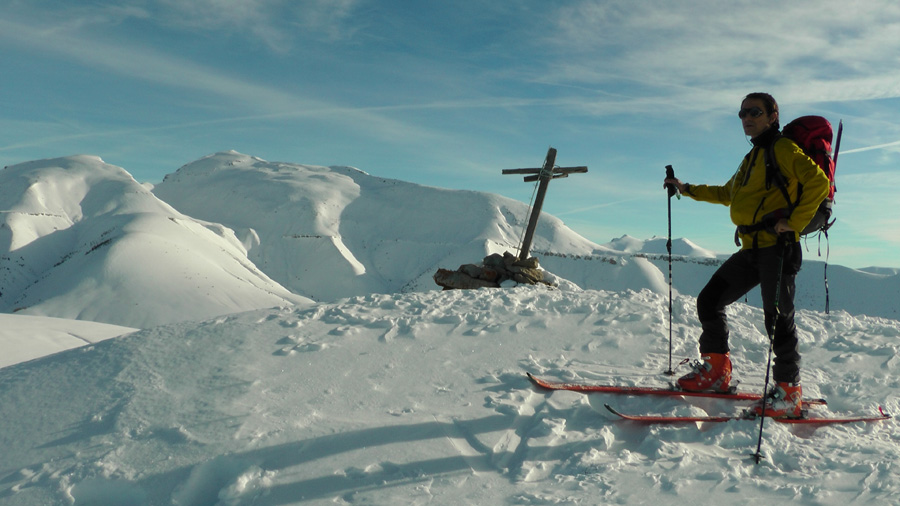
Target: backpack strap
[{"x": 776, "y": 177}]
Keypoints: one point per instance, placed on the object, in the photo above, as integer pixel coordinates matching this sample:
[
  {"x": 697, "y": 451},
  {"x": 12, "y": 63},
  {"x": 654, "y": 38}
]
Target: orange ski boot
[
  {"x": 783, "y": 401},
  {"x": 713, "y": 373}
]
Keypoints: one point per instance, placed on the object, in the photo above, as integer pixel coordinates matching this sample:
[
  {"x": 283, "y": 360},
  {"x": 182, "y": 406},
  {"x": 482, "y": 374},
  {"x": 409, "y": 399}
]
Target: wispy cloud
[
  {"x": 823, "y": 53},
  {"x": 274, "y": 22},
  {"x": 141, "y": 63},
  {"x": 895, "y": 144},
  {"x": 69, "y": 39},
  {"x": 865, "y": 201},
  {"x": 597, "y": 206}
]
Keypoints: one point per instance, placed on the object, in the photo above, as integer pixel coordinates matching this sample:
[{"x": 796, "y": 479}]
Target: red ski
[
  {"x": 663, "y": 419},
  {"x": 668, "y": 392}
]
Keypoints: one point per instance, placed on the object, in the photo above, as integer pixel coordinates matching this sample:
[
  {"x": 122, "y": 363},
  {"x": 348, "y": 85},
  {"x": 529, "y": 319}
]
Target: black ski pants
[{"x": 738, "y": 275}]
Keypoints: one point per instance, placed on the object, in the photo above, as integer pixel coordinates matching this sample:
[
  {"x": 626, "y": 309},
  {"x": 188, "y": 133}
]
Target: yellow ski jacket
[{"x": 749, "y": 198}]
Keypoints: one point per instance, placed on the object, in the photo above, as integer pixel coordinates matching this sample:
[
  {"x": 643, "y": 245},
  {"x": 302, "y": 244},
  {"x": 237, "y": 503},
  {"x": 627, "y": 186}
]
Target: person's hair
[{"x": 769, "y": 102}]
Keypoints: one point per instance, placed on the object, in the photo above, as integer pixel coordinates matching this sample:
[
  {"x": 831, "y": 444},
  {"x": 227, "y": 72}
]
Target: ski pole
[
  {"x": 770, "y": 330},
  {"x": 837, "y": 151},
  {"x": 670, "y": 188}
]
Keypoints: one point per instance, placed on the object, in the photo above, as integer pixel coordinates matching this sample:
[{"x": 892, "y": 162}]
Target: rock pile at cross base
[{"x": 494, "y": 270}]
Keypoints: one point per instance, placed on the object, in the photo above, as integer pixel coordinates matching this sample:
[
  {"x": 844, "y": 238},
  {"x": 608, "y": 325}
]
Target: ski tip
[
  {"x": 537, "y": 381},
  {"x": 883, "y": 413}
]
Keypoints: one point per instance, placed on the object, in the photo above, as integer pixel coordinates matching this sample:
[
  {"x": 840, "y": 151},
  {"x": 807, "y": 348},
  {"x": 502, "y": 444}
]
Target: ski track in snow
[{"x": 422, "y": 398}]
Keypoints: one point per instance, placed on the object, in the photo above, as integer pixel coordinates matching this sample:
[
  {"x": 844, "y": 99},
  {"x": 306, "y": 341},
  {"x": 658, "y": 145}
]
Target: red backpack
[{"x": 813, "y": 134}]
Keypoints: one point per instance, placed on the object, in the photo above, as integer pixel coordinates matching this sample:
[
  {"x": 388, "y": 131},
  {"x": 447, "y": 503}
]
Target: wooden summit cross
[{"x": 544, "y": 175}]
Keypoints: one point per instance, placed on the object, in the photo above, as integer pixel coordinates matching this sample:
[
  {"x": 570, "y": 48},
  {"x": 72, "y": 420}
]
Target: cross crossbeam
[{"x": 543, "y": 175}]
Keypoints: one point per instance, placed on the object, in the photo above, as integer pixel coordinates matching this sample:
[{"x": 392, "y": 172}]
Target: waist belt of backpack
[{"x": 749, "y": 229}]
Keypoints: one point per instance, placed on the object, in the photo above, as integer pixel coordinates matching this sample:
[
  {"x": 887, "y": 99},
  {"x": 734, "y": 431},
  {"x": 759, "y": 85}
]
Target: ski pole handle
[{"x": 670, "y": 174}]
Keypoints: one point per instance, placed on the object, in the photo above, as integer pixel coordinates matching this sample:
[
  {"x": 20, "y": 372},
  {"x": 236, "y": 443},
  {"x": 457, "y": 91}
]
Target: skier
[{"x": 768, "y": 233}]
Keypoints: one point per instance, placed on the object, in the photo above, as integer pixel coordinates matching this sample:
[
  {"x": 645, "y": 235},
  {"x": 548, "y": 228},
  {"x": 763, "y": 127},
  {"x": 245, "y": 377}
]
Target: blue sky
[{"x": 451, "y": 93}]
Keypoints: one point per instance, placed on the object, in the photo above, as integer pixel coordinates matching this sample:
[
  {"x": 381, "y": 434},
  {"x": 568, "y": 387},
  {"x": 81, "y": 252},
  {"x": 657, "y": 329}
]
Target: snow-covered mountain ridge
[
  {"x": 230, "y": 232},
  {"x": 83, "y": 240},
  {"x": 372, "y": 235}
]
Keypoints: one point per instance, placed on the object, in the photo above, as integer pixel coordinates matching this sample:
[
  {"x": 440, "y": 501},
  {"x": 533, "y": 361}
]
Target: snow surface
[
  {"x": 24, "y": 338},
  {"x": 421, "y": 398},
  {"x": 391, "y": 392}
]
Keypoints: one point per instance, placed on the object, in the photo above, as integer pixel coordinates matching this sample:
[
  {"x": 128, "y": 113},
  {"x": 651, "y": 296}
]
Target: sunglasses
[{"x": 753, "y": 112}]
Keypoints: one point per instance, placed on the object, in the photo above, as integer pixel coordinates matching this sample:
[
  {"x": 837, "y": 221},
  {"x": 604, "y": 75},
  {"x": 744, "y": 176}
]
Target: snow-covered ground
[
  {"x": 421, "y": 398},
  {"x": 25, "y": 338},
  {"x": 393, "y": 392}
]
